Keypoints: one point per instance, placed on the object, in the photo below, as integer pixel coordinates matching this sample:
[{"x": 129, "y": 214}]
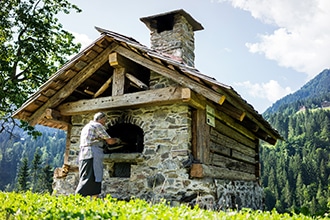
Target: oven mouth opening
[{"x": 131, "y": 136}]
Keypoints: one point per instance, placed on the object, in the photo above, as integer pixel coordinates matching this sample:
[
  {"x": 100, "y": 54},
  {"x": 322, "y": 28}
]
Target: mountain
[
  {"x": 295, "y": 173},
  {"x": 317, "y": 88}
]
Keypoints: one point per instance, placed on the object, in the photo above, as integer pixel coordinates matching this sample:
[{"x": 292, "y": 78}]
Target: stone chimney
[{"x": 172, "y": 33}]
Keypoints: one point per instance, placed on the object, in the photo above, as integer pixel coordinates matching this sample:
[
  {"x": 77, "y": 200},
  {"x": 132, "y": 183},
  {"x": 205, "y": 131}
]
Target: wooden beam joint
[{"x": 136, "y": 81}]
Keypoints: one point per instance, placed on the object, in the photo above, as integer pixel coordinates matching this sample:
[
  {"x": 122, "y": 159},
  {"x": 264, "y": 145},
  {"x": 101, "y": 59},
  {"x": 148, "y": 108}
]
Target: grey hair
[{"x": 99, "y": 116}]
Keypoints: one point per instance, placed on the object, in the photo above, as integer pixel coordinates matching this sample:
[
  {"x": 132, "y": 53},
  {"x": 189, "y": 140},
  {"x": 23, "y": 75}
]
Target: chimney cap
[{"x": 195, "y": 24}]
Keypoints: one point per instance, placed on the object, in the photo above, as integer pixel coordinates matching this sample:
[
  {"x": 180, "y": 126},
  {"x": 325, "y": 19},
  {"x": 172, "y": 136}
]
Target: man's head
[{"x": 100, "y": 117}]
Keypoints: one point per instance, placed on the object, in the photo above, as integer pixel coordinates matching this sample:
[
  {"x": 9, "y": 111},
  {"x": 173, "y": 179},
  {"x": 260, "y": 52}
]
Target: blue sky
[{"x": 264, "y": 49}]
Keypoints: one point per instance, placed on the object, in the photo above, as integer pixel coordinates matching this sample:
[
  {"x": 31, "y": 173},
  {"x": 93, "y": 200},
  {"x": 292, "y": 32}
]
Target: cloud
[
  {"x": 272, "y": 91},
  {"x": 228, "y": 50},
  {"x": 83, "y": 39},
  {"x": 302, "y": 38}
]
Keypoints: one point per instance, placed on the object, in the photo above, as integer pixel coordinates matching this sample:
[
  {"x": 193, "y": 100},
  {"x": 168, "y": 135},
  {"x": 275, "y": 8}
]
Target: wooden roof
[{"x": 85, "y": 81}]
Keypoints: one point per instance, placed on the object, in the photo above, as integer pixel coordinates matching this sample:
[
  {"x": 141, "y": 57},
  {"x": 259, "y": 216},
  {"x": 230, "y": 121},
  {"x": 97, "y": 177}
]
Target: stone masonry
[
  {"x": 178, "y": 42},
  {"x": 162, "y": 169}
]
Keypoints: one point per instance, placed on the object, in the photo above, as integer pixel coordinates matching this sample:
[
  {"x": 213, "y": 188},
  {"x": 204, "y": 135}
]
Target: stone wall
[
  {"x": 178, "y": 42},
  {"x": 162, "y": 169}
]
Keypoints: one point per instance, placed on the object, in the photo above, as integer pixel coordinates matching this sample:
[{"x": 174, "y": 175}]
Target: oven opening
[{"x": 131, "y": 136}]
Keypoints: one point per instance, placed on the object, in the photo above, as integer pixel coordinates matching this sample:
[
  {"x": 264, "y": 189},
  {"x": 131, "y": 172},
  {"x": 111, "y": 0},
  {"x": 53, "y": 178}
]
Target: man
[{"x": 92, "y": 139}]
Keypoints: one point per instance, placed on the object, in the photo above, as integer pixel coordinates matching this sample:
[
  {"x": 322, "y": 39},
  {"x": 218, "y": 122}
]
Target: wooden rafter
[
  {"x": 182, "y": 80},
  {"x": 136, "y": 81},
  {"x": 66, "y": 90},
  {"x": 103, "y": 88}
]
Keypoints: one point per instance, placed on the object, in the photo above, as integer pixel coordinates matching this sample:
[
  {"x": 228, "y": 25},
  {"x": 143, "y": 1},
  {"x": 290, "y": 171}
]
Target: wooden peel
[{"x": 114, "y": 146}]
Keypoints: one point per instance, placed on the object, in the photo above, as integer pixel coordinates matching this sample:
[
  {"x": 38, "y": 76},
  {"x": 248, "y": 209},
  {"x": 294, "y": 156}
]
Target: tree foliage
[
  {"x": 35, "y": 171},
  {"x": 296, "y": 171},
  {"x": 38, "y": 178},
  {"x": 14, "y": 151},
  {"x": 33, "y": 44},
  {"x": 23, "y": 175}
]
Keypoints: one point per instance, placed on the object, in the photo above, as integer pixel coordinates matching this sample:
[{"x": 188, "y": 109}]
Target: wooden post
[
  {"x": 118, "y": 81},
  {"x": 67, "y": 145},
  {"x": 201, "y": 136}
]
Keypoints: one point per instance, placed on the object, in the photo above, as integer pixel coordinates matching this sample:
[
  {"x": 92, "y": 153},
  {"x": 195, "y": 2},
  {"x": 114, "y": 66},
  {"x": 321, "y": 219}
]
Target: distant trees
[
  {"x": 37, "y": 178},
  {"x": 19, "y": 156},
  {"x": 23, "y": 175},
  {"x": 35, "y": 172},
  {"x": 296, "y": 172}
]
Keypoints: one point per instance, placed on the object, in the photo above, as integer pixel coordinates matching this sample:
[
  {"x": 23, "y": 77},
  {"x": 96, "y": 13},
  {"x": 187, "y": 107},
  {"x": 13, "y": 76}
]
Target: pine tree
[
  {"x": 23, "y": 175},
  {"x": 272, "y": 179},
  {"x": 313, "y": 206},
  {"x": 46, "y": 179},
  {"x": 299, "y": 191},
  {"x": 287, "y": 195},
  {"x": 270, "y": 199},
  {"x": 322, "y": 198},
  {"x": 36, "y": 172}
]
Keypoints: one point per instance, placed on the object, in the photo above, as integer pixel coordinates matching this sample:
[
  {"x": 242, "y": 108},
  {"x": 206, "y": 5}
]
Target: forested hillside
[
  {"x": 15, "y": 148},
  {"x": 312, "y": 94},
  {"x": 295, "y": 172}
]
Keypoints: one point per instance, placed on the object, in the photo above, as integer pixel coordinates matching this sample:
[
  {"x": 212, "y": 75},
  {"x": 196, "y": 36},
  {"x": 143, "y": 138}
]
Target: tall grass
[{"x": 29, "y": 205}]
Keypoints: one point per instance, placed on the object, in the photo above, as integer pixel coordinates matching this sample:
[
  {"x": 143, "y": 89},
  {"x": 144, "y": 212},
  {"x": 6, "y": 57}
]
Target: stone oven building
[{"x": 190, "y": 138}]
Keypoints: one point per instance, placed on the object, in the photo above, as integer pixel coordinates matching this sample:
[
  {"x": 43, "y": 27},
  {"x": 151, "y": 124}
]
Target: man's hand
[{"x": 112, "y": 141}]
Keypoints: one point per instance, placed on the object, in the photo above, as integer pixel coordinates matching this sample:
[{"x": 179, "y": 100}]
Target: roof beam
[
  {"x": 66, "y": 90},
  {"x": 249, "y": 111},
  {"x": 118, "y": 61},
  {"x": 136, "y": 81},
  {"x": 169, "y": 73},
  {"x": 162, "y": 96},
  {"x": 103, "y": 88}
]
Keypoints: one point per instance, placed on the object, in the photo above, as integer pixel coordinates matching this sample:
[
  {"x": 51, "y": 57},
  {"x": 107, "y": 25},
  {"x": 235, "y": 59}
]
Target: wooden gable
[{"x": 113, "y": 73}]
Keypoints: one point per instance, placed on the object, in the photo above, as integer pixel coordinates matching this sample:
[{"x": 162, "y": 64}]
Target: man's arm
[{"x": 112, "y": 141}]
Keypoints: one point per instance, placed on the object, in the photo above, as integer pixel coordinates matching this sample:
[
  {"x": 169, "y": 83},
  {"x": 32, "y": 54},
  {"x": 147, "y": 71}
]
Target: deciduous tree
[{"x": 33, "y": 44}]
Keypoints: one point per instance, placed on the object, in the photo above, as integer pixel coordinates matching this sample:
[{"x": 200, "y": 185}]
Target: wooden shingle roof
[{"x": 85, "y": 74}]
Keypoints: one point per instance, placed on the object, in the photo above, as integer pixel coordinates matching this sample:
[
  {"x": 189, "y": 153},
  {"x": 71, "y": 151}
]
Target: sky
[{"x": 263, "y": 49}]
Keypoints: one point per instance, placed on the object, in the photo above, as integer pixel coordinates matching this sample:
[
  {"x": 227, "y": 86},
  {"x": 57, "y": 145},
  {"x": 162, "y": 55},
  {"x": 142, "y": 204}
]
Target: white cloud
[
  {"x": 302, "y": 40},
  {"x": 272, "y": 91},
  {"x": 83, "y": 39}
]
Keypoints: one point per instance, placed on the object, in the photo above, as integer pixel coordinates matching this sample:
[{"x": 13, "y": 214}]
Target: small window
[{"x": 122, "y": 170}]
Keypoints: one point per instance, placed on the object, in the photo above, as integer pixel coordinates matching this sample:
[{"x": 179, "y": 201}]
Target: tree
[
  {"x": 270, "y": 199},
  {"x": 46, "y": 179},
  {"x": 287, "y": 195},
  {"x": 23, "y": 175},
  {"x": 35, "y": 173},
  {"x": 33, "y": 44}
]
